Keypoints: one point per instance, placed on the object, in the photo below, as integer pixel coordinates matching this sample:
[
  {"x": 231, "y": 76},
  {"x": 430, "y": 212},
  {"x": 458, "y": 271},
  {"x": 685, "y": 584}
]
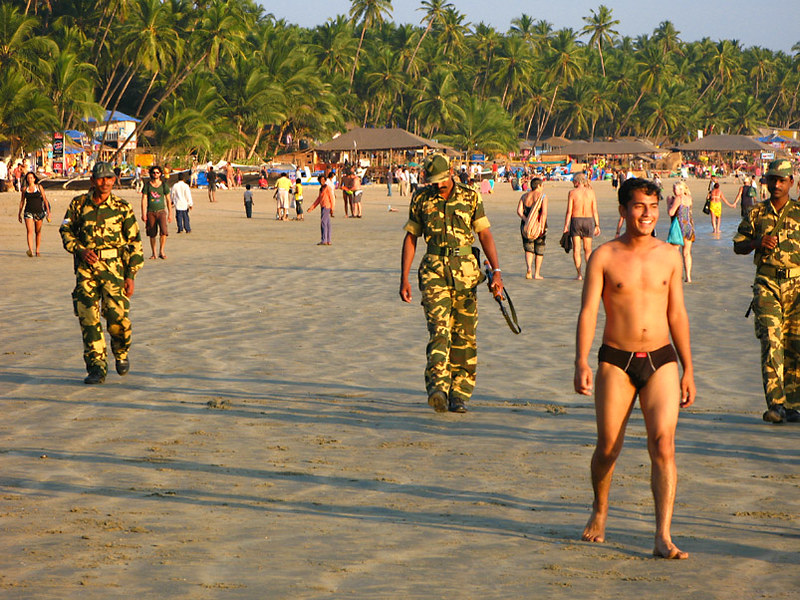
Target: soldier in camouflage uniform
[
  {"x": 446, "y": 213},
  {"x": 772, "y": 229},
  {"x": 100, "y": 230}
]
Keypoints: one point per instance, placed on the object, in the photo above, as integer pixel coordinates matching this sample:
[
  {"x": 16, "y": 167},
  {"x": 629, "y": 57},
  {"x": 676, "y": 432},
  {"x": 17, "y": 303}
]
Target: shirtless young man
[
  {"x": 582, "y": 221},
  {"x": 639, "y": 279}
]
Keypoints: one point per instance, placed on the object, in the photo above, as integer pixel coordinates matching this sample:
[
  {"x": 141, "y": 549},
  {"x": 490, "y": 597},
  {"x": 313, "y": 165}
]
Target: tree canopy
[{"x": 222, "y": 78}]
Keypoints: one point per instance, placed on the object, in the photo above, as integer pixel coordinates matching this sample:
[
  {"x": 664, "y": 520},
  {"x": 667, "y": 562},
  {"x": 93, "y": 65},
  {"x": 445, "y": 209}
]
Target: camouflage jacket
[
  {"x": 448, "y": 224},
  {"x": 112, "y": 224}
]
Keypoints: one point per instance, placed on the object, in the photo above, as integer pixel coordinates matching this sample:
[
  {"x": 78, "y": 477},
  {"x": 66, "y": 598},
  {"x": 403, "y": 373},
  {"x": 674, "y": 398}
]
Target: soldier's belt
[
  {"x": 778, "y": 273},
  {"x": 107, "y": 253},
  {"x": 445, "y": 251}
]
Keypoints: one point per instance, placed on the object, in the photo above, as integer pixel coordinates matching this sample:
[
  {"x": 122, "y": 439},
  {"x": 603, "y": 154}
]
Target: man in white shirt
[{"x": 182, "y": 199}]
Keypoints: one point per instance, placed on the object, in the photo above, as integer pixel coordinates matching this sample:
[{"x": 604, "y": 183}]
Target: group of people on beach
[{"x": 639, "y": 280}]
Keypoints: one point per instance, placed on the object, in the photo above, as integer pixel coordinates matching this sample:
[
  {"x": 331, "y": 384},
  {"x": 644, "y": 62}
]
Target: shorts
[
  {"x": 283, "y": 199},
  {"x": 357, "y": 196},
  {"x": 155, "y": 222},
  {"x": 581, "y": 227},
  {"x": 536, "y": 246},
  {"x": 212, "y": 186},
  {"x": 35, "y": 216}
]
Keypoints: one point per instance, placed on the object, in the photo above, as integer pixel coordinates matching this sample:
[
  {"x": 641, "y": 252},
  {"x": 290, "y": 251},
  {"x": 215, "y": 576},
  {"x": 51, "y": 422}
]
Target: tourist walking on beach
[
  {"x": 716, "y": 198},
  {"x": 282, "y": 187},
  {"x": 100, "y": 230},
  {"x": 156, "y": 211},
  {"x": 325, "y": 202},
  {"x": 389, "y": 180},
  {"x": 581, "y": 221},
  {"x": 347, "y": 193},
  {"x": 638, "y": 278},
  {"x": 536, "y": 199},
  {"x": 747, "y": 195},
  {"x": 248, "y": 201},
  {"x": 298, "y": 200},
  {"x": 33, "y": 210},
  {"x": 355, "y": 186},
  {"x": 211, "y": 177},
  {"x": 181, "y": 196},
  {"x": 772, "y": 229},
  {"x": 449, "y": 274},
  {"x": 679, "y": 206}
]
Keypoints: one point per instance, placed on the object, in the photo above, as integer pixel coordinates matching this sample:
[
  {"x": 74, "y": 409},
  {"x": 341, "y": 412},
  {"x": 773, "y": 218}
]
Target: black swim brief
[{"x": 638, "y": 365}]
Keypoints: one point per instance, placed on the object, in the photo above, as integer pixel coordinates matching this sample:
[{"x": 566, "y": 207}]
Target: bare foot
[
  {"x": 595, "y": 530},
  {"x": 528, "y": 275},
  {"x": 669, "y": 550},
  {"x": 579, "y": 277},
  {"x": 153, "y": 257},
  {"x": 538, "y": 277},
  {"x": 162, "y": 255}
]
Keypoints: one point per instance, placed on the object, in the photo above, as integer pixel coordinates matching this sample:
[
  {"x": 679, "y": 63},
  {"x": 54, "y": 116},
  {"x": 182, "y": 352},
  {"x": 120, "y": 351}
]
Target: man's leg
[
  {"x": 116, "y": 306},
  {"x": 660, "y": 404},
  {"x": 438, "y": 304},
  {"x": 85, "y": 299},
  {"x": 587, "y": 247},
  {"x": 614, "y": 399},
  {"x": 791, "y": 336},
  {"x": 576, "y": 254},
  {"x": 769, "y": 330},
  {"x": 463, "y": 345},
  {"x": 152, "y": 246}
]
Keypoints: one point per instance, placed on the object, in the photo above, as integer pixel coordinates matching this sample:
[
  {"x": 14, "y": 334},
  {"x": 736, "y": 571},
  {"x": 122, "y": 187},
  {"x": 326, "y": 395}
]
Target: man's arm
[
  {"x": 569, "y": 212},
  {"x": 406, "y": 258},
  {"x": 678, "y": 321},
  {"x": 490, "y": 250},
  {"x": 144, "y": 204},
  {"x": 595, "y": 215},
  {"x": 587, "y": 322}
]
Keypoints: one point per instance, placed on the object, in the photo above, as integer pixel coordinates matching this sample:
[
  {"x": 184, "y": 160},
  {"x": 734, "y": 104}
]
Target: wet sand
[{"x": 273, "y": 440}]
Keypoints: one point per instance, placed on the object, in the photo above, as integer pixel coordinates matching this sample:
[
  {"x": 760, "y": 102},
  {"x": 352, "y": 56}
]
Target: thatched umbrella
[{"x": 726, "y": 143}]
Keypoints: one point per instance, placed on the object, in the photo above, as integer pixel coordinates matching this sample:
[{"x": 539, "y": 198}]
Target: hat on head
[
  {"x": 780, "y": 168},
  {"x": 436, "y": 169},
  {"x": 103, "y": 169}
]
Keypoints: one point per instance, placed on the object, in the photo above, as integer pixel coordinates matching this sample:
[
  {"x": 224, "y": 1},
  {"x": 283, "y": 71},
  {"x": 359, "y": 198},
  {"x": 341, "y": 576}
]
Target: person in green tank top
[{"x": 156, "y": 210}]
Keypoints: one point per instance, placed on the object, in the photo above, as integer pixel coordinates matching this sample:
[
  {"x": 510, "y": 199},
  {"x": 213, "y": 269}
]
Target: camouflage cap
[
  {"x": 103, "y": 169},
  {"x": 436, "y": 169},
  {"x": 780, "y": 168}
]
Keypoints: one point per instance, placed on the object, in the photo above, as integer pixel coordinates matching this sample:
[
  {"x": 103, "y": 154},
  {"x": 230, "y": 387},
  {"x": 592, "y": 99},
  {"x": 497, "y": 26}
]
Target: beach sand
[{"x": 273, "y": 440}]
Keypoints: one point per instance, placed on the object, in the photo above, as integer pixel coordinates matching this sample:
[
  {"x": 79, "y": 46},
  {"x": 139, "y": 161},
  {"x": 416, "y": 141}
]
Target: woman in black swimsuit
[{"x": 34, "y": 207}]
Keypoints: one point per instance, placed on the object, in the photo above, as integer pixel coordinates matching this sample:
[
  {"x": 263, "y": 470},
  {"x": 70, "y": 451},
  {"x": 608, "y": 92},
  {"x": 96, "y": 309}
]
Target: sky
[{"x": 774, "y": 25}]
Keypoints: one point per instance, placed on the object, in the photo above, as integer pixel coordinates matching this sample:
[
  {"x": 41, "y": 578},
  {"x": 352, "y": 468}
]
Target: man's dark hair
[
  {"x": 637, "y": 183},
  {"x": 181, "y": 176}
]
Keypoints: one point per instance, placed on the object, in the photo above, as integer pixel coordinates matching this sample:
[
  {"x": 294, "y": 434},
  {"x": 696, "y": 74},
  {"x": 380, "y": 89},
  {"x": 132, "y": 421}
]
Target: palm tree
[
  {"x": 439, "y": 104},
  {"x": 564, "y": 62},
  {"x": 71, "y": 88},
  {"x": 514, "y": 67},
  {"x": 368, "y": 13},
  {"x": 20, "y": 47},
  {"x": 452, "y": 32},
  {"x": 434, "y": 12},
  {"x": 333, "y": 46},
  {"x": 667, "y": 37},
  {"x": 599, "y": 27},
  {"x": 485, "y": 126}
]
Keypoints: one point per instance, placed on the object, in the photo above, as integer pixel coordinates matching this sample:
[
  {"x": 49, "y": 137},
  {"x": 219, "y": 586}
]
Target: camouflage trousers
[
  {"x": 99, "y": 288},
  {"x": 452, "y": 350},
  {"x": 777, "y": 322}
]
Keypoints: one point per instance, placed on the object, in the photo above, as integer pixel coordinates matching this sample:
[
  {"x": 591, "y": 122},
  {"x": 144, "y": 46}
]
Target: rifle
[{"x": 504, "y": 300}]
